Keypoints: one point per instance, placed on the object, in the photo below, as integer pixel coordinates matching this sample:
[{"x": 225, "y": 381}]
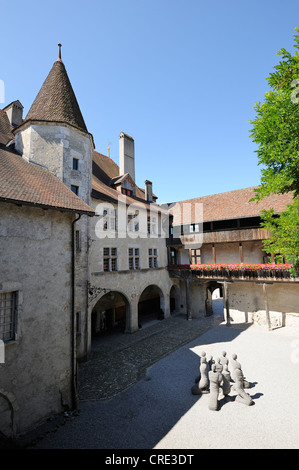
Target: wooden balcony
[{"x": 221, "y": 236}]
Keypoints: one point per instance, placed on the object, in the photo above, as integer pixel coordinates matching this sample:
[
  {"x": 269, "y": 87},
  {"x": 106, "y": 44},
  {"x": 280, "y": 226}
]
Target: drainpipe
[{"x": 74, "y": 396}]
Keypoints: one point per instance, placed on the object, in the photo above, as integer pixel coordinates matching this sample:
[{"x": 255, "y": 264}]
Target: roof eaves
[
  {"x": 20, "y": 202},
  {"x": 27, "y": 122}
]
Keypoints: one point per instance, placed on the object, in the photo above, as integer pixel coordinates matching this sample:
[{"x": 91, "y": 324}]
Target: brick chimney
[{"x": 126, "y": 155}]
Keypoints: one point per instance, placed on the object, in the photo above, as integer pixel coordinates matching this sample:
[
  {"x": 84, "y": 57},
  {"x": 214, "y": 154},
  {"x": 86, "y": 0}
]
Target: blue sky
[{"x": 179, "y": 76}]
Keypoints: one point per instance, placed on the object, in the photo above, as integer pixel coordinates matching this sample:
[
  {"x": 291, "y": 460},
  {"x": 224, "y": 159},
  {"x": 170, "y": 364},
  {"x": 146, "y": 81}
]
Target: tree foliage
[
  {"x": 284, "y": 239},
  {"x": 276, "y": 132}
]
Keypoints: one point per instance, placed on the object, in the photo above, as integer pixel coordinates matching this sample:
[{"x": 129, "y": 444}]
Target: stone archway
[
  {"x": 213, "y": 288},
  {"x": 110, "y": 314},
  {"x": 151, "y": 305}
]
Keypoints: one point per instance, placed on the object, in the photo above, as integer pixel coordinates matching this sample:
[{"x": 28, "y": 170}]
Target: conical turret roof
[{"x": 56, "y": 100}]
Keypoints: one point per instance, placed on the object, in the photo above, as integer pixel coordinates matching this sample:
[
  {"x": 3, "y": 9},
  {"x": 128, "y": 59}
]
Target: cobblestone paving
[{"x": 119, "y": 360}]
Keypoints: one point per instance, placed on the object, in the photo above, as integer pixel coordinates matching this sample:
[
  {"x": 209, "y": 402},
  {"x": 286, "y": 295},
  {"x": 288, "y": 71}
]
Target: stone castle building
[{"x": 84, "y": 249}]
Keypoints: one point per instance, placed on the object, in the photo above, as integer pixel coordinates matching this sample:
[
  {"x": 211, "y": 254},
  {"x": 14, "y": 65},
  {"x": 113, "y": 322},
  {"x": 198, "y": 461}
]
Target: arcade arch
[
  {"x": 214, "y": 299},
  {"x": 151, "y": 305},
  {"x": 109, "y": 314}
]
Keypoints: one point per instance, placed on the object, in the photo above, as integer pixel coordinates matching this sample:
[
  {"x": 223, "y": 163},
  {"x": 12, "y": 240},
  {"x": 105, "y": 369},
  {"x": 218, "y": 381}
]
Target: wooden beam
[
  {"x": 242, "y": 235},
  {"x": 241, "y": 253},
  {"x": 214, "y": 253},
  {"x": 226, "y": 303}
]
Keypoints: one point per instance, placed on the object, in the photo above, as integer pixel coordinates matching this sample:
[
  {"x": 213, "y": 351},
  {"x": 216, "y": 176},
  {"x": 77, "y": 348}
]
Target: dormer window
[{"x": 124, "y": 185}]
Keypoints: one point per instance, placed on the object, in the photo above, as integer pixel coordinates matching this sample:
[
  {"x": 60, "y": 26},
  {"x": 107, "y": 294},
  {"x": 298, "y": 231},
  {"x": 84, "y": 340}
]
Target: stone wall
[
  {"x": 54, "y": 146},
  {"x": 247, "y": 303},
  {"x": 129, "y": 282},
  {"x": 35, "y": 254}
]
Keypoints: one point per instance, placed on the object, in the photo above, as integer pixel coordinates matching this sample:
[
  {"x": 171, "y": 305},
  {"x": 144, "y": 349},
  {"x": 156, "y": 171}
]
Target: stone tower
[{"x": 54, "y": 135}]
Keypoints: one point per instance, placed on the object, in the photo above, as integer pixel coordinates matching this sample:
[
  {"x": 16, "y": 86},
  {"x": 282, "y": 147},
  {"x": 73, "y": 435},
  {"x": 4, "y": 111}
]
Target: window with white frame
[
  {"x": 152, "y": 258},
  {"x": 109, "y": 221},
  {"x": 134, "y": 261},
  {"x": 8, "y": 315},
  {"x": 152, "y": 227},
  {"x": 110, "y": 259},
  {"x": 133, "y": 221}
]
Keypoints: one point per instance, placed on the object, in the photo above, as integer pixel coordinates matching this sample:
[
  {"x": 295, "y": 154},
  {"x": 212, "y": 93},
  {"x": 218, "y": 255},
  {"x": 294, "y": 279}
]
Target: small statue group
[{"x": 215, "y": 377}]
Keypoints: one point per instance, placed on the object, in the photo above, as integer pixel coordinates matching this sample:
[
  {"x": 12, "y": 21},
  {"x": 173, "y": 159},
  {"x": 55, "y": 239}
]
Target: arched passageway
[
  {"x": 214, "y": 299},
  {"x": 109, "y": 314},
  {"x": 150, "y": 305},
  {"x": 217, "y": 301}
]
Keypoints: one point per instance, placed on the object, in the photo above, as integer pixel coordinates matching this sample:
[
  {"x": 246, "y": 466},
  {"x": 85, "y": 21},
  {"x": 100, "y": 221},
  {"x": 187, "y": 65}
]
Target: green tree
[
  {"x": 284, "y": 239},
  {"x": 276, "y": 132}
]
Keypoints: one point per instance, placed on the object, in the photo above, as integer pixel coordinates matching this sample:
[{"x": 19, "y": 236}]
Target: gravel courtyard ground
[{"x": 158, "y": 411}]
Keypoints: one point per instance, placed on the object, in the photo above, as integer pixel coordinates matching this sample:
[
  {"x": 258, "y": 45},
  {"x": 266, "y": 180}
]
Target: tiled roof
[
  {"x": 104, "y": 172},
  {"x": 5, "y": 128},
  {"x": 120, "y": 179},
  {"x": 26, "y": 183},
  {"x": 102, "y": 191},
  {"x": 231, "y": 205},
  {"x": 56, "y": 100},
  {"x": 104, "y": 168}
]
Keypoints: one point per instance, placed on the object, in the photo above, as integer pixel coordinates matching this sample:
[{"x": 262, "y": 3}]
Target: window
[
  {"x": 194, "y": 228},
  {"x": 173, "y": 257},
  {"x": 75, "y": 164},
  {"x": 75, "y": 189},
  {"x": 152, "y": 225},
  {"x": 195, "y": 256},
  {"x": 109, "y": 220},
  {"x": 133, "y": 222},
  {"x": 127, "y": 192},
  {"x": 110, "y": 259},
  {"x": 152, "y": 258},
  {"x": 134, "y": 258},
  {"x": 8, "y": 315}
]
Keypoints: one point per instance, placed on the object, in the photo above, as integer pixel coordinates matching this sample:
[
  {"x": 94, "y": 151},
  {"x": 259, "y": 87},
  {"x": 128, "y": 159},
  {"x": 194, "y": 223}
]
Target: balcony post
[{"x": 226, "y": 303}]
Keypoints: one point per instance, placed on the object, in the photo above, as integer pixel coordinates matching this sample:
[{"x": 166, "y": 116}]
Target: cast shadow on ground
[
  {"x": 231, "y": 398},
  {"x": 141, "y": 416},
  {"x": 144, "y": 414}
]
